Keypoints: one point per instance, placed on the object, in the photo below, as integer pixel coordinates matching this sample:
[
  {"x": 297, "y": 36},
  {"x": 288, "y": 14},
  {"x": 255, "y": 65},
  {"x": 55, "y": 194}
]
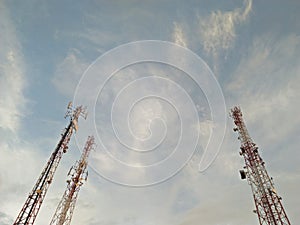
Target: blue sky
[{"x": 252, "y": 48}]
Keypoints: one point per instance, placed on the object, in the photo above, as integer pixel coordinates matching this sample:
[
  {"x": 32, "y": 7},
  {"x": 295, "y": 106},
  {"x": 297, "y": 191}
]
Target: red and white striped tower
[
  {"x": 36, "y": 197},
  {"x": 267, "y": 202},
  {"x": 77, "y": 174}
]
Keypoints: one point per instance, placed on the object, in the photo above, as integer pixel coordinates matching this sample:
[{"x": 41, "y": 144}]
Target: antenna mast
[
  {"x": 35, "y": 199},
  {"x": 77, "y": 174},
  {"x": 268, "y": 204}
]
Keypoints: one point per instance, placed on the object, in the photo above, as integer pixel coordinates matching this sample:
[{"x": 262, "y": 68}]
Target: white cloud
[
  {"x": 189, "y": 197},
  {"x": 12, "y": 109},
  {"x": 100, "y": 202},
  {"x": 218, "y": 31},
  {"x": 69, "y": 72},
  {"x": 211, "y": 213},
  {"x": 12, "y": 75},
  {"x": 5, "y": 219},
  {"x": 178, "y": 35},
  {"x": 17, "y": 161},
  {"x": 266, "y": 84}
]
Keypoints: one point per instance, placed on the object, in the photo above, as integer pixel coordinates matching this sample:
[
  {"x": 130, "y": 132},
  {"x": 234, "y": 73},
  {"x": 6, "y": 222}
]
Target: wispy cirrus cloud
[
  {"x": 178, "y": 35},
  {"x": 16, "y": 157},
  {"x": 267, "y": 82},
  {"x": 68, "y": 72},
  {"x": 218, "y": 31},
  {"x": 12, "y": 75}
]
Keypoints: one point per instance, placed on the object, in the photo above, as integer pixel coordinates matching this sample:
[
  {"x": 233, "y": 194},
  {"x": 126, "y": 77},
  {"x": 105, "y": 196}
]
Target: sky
[{"x": 158, "y": 79}]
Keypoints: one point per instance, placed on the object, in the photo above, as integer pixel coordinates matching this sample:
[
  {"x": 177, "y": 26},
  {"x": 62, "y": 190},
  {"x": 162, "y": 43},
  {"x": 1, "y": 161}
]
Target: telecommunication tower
[
  {"x": 77, "y": 174},
  {"x": 35, "y": 199},
  {"x": 267, "y": 202}
]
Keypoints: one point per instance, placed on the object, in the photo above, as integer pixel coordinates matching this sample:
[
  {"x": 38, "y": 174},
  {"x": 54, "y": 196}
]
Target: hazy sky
[{"x": 252, "y": 48}]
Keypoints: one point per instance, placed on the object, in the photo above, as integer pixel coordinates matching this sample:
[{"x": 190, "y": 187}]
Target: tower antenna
[
  {"x": 77, "y": 174},
  {"x": 36, "y": 197},
  {"x": 267, "y": 202}
]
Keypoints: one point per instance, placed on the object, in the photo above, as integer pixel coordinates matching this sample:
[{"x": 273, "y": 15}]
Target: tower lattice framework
[
  {"x": 268, "y": 204},
  {"x": 77, "y": 174},
  {"x": 35, "y": 198}
]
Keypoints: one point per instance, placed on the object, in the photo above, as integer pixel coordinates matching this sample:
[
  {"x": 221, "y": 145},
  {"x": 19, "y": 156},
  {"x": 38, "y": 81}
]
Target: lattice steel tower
[
  {"x": 35, "y": 199},
  {"x": 267, "y": 202},
  {"x": 78, "y": 173}
]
